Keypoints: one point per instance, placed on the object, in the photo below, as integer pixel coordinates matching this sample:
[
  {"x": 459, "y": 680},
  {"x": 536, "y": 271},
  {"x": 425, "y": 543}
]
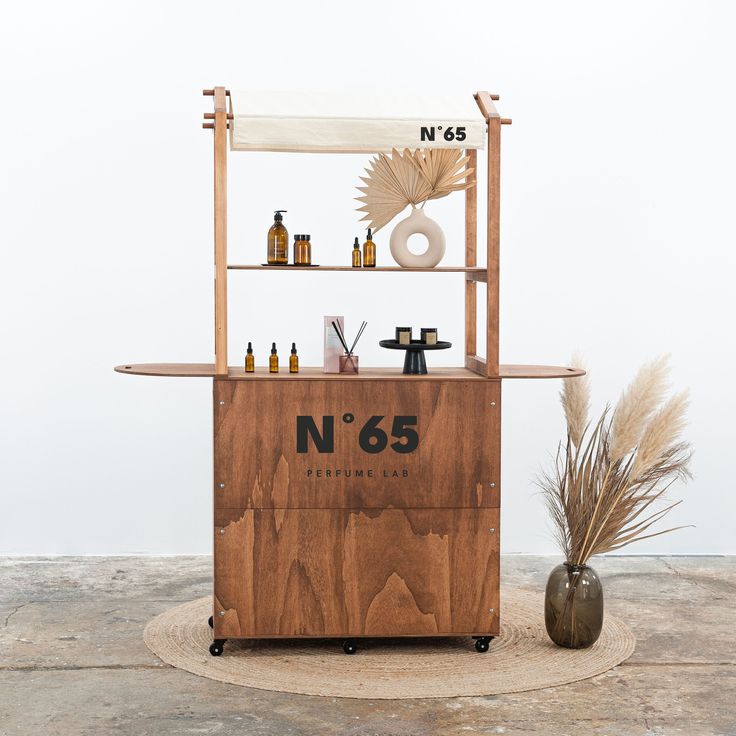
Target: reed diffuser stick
[
  {"x": 357, "y": 337},
  {"x": 340, "y": 336}
]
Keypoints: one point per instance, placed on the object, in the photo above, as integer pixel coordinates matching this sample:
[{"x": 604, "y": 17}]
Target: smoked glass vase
[{"x": 573, "y": 606}]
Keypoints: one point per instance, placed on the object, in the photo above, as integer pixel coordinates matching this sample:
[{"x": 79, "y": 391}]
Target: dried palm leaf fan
[{"x": 410, "y": 178}]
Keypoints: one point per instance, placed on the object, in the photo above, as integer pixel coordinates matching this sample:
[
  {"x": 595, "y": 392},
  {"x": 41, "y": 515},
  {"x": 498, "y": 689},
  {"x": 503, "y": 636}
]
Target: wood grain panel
[
  {"x": 283, "y": 572},
  {"x": 257, "y": 465}
]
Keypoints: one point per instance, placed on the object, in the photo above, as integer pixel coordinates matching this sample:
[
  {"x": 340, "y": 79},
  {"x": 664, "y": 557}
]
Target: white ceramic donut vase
[{"x": 417, "y": 222}]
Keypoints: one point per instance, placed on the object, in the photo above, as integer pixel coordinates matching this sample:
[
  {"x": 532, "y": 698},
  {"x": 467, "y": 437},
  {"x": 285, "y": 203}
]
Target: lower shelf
[
  {"x": 352, "y": 572},
  {"x": 207, "y": 370}
]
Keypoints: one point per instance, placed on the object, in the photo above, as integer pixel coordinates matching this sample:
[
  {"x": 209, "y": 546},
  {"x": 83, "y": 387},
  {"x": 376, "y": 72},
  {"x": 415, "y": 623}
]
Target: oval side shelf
[
  {"x": 180, "y": 370},
  {"x": 207, "y": 370},
  {"x": 539, "y": 371}
]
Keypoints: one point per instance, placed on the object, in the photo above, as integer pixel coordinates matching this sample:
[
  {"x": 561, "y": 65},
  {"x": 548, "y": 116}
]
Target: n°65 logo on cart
[
  {"x": 450, "y": 133},
  {"x": 372, "y": 438}
]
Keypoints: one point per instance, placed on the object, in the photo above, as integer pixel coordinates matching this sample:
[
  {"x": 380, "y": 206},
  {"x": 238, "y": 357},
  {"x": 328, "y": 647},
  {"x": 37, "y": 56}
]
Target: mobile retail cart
[{"x": 407, "y": 542}]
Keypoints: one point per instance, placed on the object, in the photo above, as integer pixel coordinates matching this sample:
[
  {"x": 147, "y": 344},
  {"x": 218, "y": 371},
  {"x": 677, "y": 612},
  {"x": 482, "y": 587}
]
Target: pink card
[{"x": 333, "y": 346}]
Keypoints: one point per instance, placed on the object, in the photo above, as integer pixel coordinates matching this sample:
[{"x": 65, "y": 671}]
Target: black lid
[
  {"x": 273, "y": 348},
  {"x": 277, "y": 215},
  {"x": 293, "y": 348},
  {"x": 297, "y": 237},
  {"x": 306, "y": 237},
  {"x": 250, "y": 349},
  {"x": 356, "y": 244},
  {"x": 369, "y": 234}
]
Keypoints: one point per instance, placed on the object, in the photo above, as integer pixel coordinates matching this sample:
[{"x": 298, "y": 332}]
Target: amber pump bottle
[
  {"x": 293, "y": 360},
  {"x": 250, "y": 363},
  {"x": 273, "y": 360},
  {"x": 369, "y": 252},
  {"x": 278, "y": 241},
  {"x": 356, "y": 254}
]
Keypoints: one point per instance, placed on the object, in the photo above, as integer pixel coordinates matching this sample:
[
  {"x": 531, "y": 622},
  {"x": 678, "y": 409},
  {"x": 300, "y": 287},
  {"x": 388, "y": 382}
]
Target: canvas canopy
[{"x": 353, "y": 123}]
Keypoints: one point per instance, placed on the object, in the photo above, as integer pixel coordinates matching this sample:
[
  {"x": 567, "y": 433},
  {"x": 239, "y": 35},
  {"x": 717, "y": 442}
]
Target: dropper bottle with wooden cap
[{"x": 369, "y": 252}]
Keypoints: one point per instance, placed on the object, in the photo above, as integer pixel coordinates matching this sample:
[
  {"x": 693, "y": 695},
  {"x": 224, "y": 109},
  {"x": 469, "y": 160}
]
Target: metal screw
[
  {"x": 222, "y": 613},
  {"x": 490, "y": 610},
  {"x": 222, "y": 531},
  {"x": 222, "y": 485},
  {"x": 491, "y": 530},
  {"x": 222, "y": 403},
  {"x": 492, "y": 485},
  {"x": 493, "y": 403}
]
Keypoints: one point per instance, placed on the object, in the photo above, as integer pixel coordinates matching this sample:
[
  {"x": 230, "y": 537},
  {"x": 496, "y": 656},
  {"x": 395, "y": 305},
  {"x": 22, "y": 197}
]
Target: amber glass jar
[
  {"x": 573, "y": 606},
  {"x": 302, "y": 250}
]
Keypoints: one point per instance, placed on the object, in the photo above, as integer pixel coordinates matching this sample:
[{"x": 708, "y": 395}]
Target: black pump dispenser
[{"x": 277, "y": 215}]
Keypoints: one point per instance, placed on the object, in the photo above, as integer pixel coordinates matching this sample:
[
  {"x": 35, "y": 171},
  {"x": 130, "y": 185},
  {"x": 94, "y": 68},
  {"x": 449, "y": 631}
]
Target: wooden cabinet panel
[
  {"x": 367, "y": 572},
  {"x": 343, "y": 444}
]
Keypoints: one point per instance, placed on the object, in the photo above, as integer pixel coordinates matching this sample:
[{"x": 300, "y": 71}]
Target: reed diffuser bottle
[
  {"x": 273, "y": 360},
  {"x": 369, "y": 252},
  {"x": 278, "y": 241}
]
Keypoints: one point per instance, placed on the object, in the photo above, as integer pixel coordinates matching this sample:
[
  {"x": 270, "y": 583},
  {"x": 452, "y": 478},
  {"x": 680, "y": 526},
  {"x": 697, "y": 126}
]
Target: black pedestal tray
[{"x": 414, "y": 363}]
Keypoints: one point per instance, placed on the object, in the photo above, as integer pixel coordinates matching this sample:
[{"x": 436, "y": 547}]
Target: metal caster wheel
[
  {"x": 211, "y": 622},
  {"x": 217, "y": 646},
  {"x": 482, "y": 643},
  {"x": 349, "y": 646}
]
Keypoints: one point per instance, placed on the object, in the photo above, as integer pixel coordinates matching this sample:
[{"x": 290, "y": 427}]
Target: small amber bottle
[
  {"x": 302, "y": 250},
  {"x": 273, "y": 360},
  {"x": 250, "y": 363},
  {"x": 278, "y": 241},
  {"x": 293, "y": 360},
  {"x": 369, "y": 252},
  {"x": 356, "y": 254}
]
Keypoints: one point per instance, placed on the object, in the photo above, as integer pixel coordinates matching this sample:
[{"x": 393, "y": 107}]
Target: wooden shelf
[
  {"x": 381, "y": 269},
  {"x": 539, "y": 371},
  {"x": 207, "y": 370}
]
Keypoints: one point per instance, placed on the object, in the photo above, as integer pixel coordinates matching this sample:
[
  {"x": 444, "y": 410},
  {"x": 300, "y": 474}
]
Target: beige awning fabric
[{"x": 353, "y": 122}]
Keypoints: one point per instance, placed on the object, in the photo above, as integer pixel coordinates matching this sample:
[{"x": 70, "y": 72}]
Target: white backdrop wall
[{"x": 617, "y": 237}]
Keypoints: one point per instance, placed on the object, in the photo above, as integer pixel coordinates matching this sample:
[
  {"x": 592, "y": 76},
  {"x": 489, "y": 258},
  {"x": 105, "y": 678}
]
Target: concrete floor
[{"x": 72, "y": 660}]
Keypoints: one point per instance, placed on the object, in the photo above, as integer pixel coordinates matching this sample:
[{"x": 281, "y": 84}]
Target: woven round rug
[{"x": 521, "y": 658}]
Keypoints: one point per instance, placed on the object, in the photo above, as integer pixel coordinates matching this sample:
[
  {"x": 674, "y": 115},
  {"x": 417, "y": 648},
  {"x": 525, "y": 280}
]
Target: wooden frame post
[
  {"x": 220, "y": 169},
  {"x": 471, "y": 259},
  {"x": 493, "y": 237},
  {"x": 494, "y": 242}
]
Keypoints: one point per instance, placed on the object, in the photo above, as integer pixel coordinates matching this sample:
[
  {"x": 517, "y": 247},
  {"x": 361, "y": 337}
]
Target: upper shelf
[
  {"x": 207, "y": 370},
  {"x": 395, "y": 269}
]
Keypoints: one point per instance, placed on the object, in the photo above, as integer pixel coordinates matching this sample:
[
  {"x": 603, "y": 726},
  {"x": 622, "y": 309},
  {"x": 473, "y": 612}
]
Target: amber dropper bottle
[
  {"x": 356, "y": 254},
  {"x": 273, "y": 360},
  {"x": 369, "y": 252},
  {"x": 250, "y": 363},
  {"x": 293, "y": 360}
]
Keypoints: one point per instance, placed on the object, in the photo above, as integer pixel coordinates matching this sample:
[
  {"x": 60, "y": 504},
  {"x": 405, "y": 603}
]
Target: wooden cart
[{"x": 359, "y": 505}]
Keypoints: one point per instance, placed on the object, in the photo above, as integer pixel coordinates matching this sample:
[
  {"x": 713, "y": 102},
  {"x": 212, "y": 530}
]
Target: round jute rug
[{"x": 522, "y": 658}]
